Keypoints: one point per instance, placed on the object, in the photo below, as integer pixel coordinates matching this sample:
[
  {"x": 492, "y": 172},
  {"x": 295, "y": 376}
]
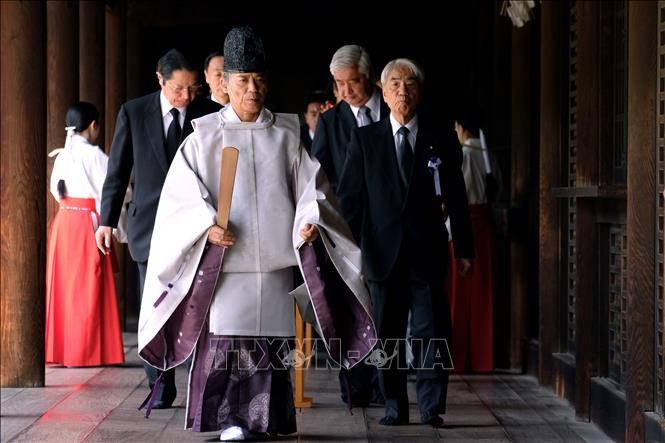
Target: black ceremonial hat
[{"x": 243, "y": 51}]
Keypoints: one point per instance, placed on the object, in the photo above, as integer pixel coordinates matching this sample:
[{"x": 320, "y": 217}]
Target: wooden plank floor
[{"x": 99, "y": 405}]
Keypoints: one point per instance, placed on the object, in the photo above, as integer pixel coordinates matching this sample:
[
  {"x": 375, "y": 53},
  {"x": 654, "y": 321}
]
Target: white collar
[
  {"x": 214, "y": 99},
  {"x": 374, "y": 104},
  {"x": 166, "y": 106},
  {"x": 230, "y": 116},
  {"x": 411, "y": 125}
]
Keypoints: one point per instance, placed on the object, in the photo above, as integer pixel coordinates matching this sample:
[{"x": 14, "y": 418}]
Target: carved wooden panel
[
  {"x": 620, "y": 99},
  {"x": 617, "y": 338}
]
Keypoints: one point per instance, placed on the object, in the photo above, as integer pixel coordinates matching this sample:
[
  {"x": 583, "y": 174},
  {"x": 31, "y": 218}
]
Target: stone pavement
[{"x": 99, "y": 405}]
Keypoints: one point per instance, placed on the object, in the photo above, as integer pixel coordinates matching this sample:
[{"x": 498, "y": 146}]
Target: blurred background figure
[
  {"x": 213, "y": 69},
  {"x": 470, "y": 297},
  {"x": 316, "y": 104},
  {"x": 82, "y": 324}
]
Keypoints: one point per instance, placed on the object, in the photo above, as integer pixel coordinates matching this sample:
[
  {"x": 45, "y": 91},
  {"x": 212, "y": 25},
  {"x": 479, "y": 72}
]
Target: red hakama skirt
[
  {"x": 82, "y": 324},
  {"x": 470, "y": 300}
]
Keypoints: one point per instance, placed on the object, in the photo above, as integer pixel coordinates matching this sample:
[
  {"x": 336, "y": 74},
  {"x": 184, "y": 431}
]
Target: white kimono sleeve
[
  {"x": 184, "y": 215},
  {"x": 318, "y": 205}
]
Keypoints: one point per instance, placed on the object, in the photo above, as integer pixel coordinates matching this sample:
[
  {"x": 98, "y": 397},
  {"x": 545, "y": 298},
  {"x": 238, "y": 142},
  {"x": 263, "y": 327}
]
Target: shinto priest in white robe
[{"x": 278, "y": 189}]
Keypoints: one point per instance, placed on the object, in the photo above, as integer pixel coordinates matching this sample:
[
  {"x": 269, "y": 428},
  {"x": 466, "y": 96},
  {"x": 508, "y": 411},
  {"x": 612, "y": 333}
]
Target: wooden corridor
[{"x": 99, "y": 405}]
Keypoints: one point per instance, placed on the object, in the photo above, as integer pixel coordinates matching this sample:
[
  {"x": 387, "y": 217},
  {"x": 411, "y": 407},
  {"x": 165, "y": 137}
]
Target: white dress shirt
[
  {"x": 167, "y": 117},
  {"x": 411, "y": 125},
  {"x": 374, "y": 105}
]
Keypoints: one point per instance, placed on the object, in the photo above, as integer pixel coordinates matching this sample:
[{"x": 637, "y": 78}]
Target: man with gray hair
[
  {"x": 360, "y": 105},
  {"x": 400, "y": 182}
]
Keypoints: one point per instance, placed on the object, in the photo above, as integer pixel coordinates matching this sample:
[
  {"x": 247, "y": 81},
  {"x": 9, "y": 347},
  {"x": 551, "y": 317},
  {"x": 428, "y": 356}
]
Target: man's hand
[
  {"x": 309, "y": 233},
  {"x": 103, "y": 238},
  {"x": 463, "y": 266},
  {"x": 220, "y": 236}
]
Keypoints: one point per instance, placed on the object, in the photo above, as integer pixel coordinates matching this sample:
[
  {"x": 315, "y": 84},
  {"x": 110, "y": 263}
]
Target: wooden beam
[
  {"x": 116, "y": 67},
  {"x": 115, "y": 96},
  {"x": 641, "y": 208},
  {"x": 92, "y": 56},
  {"x": 586, "y": 285},
  {"x": 62, "y": 81},
  {"x": 22, "y": 198},
  {"x": 551, "y": 146},
  {"x": 521, "y": 138}
]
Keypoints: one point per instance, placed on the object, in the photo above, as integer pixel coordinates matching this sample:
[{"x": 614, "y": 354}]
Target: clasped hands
[{"x": 225, "y": 237}]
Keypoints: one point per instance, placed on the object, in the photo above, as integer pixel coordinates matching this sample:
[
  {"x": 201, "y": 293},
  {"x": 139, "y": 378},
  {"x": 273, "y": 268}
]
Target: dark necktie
[
  {"x": 173, "y": 135},
  {"x": 405, "y": 154},
  {"x": 366, "y": 116}
]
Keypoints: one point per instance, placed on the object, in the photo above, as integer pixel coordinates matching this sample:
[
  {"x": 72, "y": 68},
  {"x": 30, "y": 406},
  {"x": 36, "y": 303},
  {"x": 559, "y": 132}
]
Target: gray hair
[
  {"x": 352, "y": 56},
  {"x": 402, "y": 63}
]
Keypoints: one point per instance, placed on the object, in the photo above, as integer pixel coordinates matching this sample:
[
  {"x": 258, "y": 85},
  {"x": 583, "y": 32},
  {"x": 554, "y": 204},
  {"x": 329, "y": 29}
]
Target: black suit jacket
[
  {"x": 332, "y": 135},
  {"x": 387, "y": 219},
  {"x": 138, "y": 144}
]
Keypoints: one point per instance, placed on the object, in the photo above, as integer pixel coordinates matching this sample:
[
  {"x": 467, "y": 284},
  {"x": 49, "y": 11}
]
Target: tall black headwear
[{"x": 243, "y": 51}]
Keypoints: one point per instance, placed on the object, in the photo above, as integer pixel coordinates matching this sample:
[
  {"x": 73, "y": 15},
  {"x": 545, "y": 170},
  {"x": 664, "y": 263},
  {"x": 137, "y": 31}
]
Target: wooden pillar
[
  {"x": 587, "y": 175},
  {"x": 641, "y": 207},
  {"x": 62, "y": 84},
  {"x": 133, "y": 58},
  {"x": 115, "y": 96},
  {"x": 519, "y": 188},
  {"x": 22, "y": 199},
  {"x": 499, "y": 132},
  {"x": 116, "y": 81},
  {"x": 92, "y": 56},
  {"x": 551, "y": 147}
]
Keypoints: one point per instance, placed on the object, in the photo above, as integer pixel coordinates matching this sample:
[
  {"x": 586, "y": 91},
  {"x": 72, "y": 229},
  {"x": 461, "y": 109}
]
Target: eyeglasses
[{"x": 191, "y": 90}]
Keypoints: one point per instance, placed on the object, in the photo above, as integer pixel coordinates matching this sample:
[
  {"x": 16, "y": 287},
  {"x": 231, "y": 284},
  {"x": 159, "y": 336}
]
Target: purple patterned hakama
[{"x": 241, "y": 382}]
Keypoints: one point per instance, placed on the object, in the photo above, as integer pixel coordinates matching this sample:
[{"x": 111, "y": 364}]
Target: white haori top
[
  {"x": 83, "y": 167},
  {"x": 473, "y": 168}
]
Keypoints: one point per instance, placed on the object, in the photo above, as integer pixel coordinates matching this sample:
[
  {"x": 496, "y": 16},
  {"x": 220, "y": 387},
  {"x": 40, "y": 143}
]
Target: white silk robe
[{"x": 278, "y": 188}]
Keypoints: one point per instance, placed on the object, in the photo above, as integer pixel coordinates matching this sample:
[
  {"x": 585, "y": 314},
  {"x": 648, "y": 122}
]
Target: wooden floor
[{"x": 99, "y": 405}]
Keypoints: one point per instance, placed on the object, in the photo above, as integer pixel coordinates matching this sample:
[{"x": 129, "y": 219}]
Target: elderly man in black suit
[
  {"x": 148, "y": 131},
  {"x": 400, "y": 181},
  {"x": 360, "y": 105}
]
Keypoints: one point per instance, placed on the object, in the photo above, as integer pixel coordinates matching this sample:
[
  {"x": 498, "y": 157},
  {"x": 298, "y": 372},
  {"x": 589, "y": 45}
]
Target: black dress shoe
[
  {"x": 393, "y": 421},
  {"x": 435, "y": 421}
]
